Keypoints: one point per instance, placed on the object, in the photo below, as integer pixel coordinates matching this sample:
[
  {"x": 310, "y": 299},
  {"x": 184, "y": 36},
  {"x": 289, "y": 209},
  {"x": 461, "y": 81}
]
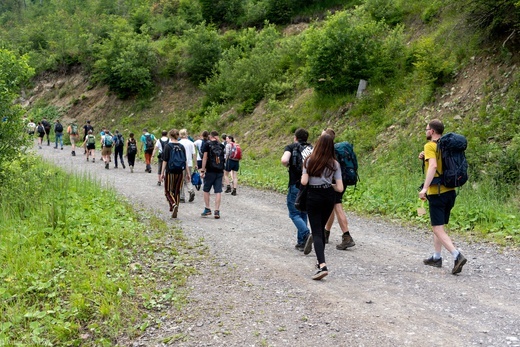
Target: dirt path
[{"x": 257, "y": 290}]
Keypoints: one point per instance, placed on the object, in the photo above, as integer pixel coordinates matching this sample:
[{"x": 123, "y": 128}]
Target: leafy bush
[
  {"x": 202, "y": 52},
  {"x": 350, "y": 46},
  {"x": 496, "y": 18},
  {"x": 384, "y": 10},
  {"x": 14, "y": 72},
  {"x": 221, "y": 11},
  {"x": 247, "y": 68},
  {"x": 125, "y": 61}
]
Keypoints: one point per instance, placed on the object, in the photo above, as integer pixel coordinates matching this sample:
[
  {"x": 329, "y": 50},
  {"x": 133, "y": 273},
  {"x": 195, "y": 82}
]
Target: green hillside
[{"x": 259, "y": 69}]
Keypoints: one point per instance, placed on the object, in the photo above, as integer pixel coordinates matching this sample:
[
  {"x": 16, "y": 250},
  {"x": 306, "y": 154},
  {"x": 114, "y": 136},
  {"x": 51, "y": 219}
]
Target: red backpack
[{"x": 236, "y": 152}]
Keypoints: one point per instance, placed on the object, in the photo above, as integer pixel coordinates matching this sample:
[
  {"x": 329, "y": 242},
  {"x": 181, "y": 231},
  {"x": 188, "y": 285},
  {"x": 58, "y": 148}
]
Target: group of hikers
[
  {"x": 212, "y": 161},
  {"x": 319, "y": 176}
]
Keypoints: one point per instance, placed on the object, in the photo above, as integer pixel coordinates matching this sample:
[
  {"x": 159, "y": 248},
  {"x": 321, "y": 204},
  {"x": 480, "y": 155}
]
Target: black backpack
[
  {"x": 58, "y": 128},
  {"x": 163, "y": 143},
  {"x": 298, "y": 155},
  {"x": 119, "y": 141},
  {"x": 177, "y": 158},
  {"x": 348, "y": 162},
  {"x": 149, "y": 142},
  {"x": 452, "y": 148},
  {"x": 132, "y": 147},
  {"x": 216, "y": 155}
]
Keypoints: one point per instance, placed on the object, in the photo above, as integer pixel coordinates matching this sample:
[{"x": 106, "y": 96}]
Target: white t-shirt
[
  {"x": 158, "y": 144},
  {"x": 190, "y": 150},
  {"x": 198, "y": 144}
]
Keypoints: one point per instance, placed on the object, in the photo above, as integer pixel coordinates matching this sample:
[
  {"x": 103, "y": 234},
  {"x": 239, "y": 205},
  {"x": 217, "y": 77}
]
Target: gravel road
[{"x": 255, "y": 289}]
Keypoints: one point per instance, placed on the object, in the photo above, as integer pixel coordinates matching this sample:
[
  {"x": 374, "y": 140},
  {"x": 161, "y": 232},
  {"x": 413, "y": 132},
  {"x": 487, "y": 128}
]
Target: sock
[
  {"x": 437, "y": 255},
  {"x": 455, "y": 253},
  {"x": 346, "y": 233}
]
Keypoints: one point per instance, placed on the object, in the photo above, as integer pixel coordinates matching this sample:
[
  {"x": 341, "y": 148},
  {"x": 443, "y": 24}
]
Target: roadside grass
[{"x": 79, "y": 265}]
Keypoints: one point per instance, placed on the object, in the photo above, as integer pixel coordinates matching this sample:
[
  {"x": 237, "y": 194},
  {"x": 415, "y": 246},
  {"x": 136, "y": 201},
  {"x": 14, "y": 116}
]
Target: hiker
[
  {"x": 47, "y": 127},
  {"x": 31, "y": 126},
  {"x": 86, "y": 128},
  {"x": 232, "y": 165},
  {"x": 292, "y": 159},
  {"x": 90, "y": 145},
  {"x": 131, "y": 151},
  {"x": 212, "y": 171},
  {"x": 190, "y": 155},
  {"x": 73, "y": 132},
  {"x": 106, "y": 150},
  {"x": 159, "y": 149},
  {"x": 119, "y": 146},
  {"x": 41, "y": 133},
  {"x": 58, "y": 132},
  {"x": 440, "y": 199},
  {"x": 319, "y": 170},
  {"x": 202, "y": 139},
  {"x": 173, "y": 169},
  {"x": 147, "y": 145},
  {"x": 346, "y": 238}
]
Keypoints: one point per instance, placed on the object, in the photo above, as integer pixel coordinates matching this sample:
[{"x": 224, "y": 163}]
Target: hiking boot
[
  {"x": 308, "y": 244},
  {"x": 228, "y": 189},
  {"x": 192, "y": 196},
  {"x": 106, "y": 166},
  {"x": 346, "y": 242},
  {"x": 217, "y": 214},
  {"x": 300, "y": 246},
  {"x": 73, "y": 153},
  {"x": 327, "y": 235},
  {"x": 234, "y": 192},
  {"x": 206, "y": 212},
  {"x": 62, "y": 148},
  {"x": 175, "y": 210},
  {"x": 433, "y": 262},
  {"x": 322, "y": 272},
  {"x": 459, "y": 263}
]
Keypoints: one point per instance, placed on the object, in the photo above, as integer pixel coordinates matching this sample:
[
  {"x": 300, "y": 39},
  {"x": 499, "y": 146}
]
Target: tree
[{"x": 14, "y": 72}]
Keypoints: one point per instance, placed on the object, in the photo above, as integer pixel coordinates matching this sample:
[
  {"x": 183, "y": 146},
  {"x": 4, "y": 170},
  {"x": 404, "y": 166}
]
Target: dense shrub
[
  {"x": 246, "y": 69},
  {"x": 221, "y": 11},
  {"x": 202, "y": 52},
  {"x": 125, "y": 61},
  {"x": 495, "y": 17},
  {"x": 350, "y": 46},
  {"x": 14, "y": 72}
]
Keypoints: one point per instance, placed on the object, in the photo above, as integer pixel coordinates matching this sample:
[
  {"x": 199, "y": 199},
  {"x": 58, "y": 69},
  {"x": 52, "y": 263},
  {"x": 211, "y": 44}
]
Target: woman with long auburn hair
[{"x": 320, "y": 170}]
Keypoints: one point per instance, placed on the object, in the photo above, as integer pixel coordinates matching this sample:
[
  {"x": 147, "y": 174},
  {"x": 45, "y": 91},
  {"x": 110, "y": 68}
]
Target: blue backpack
[{"x": 177, "y": 158}]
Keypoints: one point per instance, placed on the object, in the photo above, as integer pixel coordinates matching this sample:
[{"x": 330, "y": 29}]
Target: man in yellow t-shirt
[{"x": 440, "y": 199}]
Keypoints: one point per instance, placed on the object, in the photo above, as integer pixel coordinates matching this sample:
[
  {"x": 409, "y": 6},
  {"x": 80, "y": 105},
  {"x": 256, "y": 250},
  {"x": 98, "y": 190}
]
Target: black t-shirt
[
  {"x": 295, "y": 175},
  {"x": 206, "y": 148},
  {"x": 88, "y": 127}
]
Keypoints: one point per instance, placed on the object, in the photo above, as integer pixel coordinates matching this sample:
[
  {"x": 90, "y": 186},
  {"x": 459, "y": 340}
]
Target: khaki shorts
[
  {"x": 106, "y": 151},
  {"x": 73, "y": 139}
]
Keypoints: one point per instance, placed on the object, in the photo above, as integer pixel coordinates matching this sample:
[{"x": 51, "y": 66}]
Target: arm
[
  {"x": 286, "y": 157},
  {"x": 204, "y": 161},
  {"x": 305, "y": 179},
  {"x": 430, "y": 174}
]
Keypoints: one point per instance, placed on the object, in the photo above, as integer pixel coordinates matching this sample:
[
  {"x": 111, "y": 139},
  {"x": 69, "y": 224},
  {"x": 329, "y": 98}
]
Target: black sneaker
[
  {"x": 322, "y": 272},
  {"x": 459, "y": 263},
  {"x": 433, "y": 262},
  {"x": 300, "y": 246},
  {"x": 192, "y": 196},
  {"x": 234, "y": 192},
  {"x": 106, "y": 166},
  {"x": 228, "y": 189},
  {"x": 308, "y": 244}
]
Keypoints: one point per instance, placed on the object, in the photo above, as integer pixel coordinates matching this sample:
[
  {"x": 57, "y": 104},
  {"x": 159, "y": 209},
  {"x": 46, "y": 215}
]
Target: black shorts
[
  {"x": 232, "y": 165},
  {"x": 338, "y": 196},
  {"x": 440, "y": 207}
]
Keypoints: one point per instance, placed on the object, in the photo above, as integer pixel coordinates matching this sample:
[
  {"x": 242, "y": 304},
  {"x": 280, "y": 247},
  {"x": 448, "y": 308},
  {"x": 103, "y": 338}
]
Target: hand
[
  {"x": 421, "y": 155},
  {"x": 422, "y": 194}
]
